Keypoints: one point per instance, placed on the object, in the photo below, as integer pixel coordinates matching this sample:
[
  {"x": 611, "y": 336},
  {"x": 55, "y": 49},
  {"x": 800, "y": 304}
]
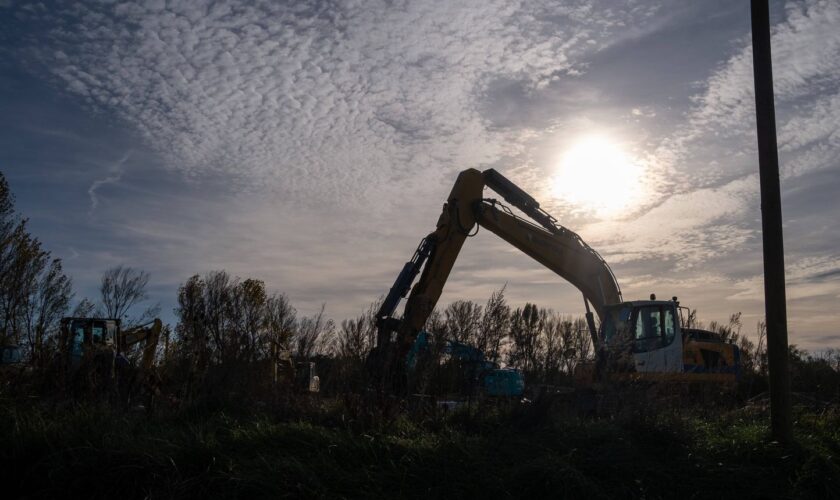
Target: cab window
[
  {"x": 654, "y": 328},
  {"x": 98, "y": 333},
  {"x": 77, "y": 339},
  {"x": 110, "y": 332},
  {"x": 11, "y": 355},
  {"x": 670, "y": 326},
  {"x": 648, "y": 331}
]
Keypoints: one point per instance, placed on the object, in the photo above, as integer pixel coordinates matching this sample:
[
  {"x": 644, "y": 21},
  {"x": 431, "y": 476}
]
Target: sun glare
[{"x": 595, "y": 175}]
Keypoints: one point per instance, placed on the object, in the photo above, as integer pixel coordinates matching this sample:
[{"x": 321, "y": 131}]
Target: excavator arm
[
  {"x": 565, "y": 254},
  {"x": 149, "y": 334},
  {"x": 438, "y": 251},
  {"x": 550, "y": 244}
]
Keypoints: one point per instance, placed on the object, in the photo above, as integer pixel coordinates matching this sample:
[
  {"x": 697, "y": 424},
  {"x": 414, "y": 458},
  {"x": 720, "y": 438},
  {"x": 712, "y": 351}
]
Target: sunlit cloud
[{"x": 596, "y": 175}]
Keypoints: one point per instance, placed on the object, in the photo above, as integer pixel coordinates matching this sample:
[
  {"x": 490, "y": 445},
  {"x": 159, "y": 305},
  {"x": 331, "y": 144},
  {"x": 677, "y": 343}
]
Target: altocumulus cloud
[
  {"x": 317, "y": 100},
  {"x": 806, "y": 72},
  {"x": 707, "y": 182}
]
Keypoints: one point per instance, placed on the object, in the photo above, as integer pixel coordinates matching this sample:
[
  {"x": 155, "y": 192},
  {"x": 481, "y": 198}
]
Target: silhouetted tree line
[
  {"x": 231, "y": 334},
  {"x": 542, "y": 343},
  {"x": 234, "y": 336},
  {"x": 34, "y": 291}
]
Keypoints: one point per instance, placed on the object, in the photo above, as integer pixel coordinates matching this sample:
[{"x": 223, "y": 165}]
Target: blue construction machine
[{"x": 483, "y": 377}]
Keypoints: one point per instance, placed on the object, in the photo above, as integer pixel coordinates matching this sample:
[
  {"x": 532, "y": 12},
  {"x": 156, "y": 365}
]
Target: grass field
[{"x": 84, "y": 451}]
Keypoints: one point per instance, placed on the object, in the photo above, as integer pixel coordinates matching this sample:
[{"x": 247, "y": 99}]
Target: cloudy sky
[{"x": 311, "y": 144}]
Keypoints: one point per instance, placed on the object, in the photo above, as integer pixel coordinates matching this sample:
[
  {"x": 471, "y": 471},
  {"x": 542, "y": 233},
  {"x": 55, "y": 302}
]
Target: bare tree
[
  {"x": 357, "y": 336},
  {"x": 226, "y": 319},
  {"x": 249, "y": 301},
  {"x": 831, "y": 357},
  {"x": 495, "y": 324},
  {"x": 7, "y": 206},
  {"x": 217, "y": 287},
  {"x": 280, "y": 324},
  {"x": 525, "y": 326},
  {"x": 234, "y": 315},
  {"x": 84, "y": 309},
  {"x": 33, "y": 289},
  {"x": 690, "y": 320},
  {"x": 550, "y": 346},
  {"x": 436, "y": 324},
  {"x": 729, "y": 332},
  {"x": 353, "y": 339},
  {"x": 191, "y": 329},
  {"x": 121, "y": 289},
  {"x": 312, "y": 332},
  {"x": 463, "y": 318},
  {"x": 47, "y": 304},
  {"x": 21, "y": 263},
  {"x": 582, "y": 344},
  {"x": 370, "y": 317}
]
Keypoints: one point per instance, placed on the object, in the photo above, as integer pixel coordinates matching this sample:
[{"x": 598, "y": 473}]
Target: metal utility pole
[{"x": 781, "y": 422}]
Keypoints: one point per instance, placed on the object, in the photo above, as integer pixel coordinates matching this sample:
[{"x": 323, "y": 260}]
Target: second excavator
[
  {"x": 645, "y": 334},
  {"x": 94, "y": 355}
]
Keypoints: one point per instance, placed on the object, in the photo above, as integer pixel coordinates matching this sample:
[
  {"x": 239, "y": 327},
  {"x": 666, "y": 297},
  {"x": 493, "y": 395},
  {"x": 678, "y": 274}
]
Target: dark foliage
[{"x": 34, "y": 291}]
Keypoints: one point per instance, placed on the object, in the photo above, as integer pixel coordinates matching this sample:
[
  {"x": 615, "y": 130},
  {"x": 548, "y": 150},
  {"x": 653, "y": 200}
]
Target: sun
[{"x": 596, "y": 175}]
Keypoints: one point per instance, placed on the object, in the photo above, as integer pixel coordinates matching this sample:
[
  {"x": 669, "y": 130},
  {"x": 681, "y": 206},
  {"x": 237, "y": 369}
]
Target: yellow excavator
[
  {"x": 99, "y": 348},
  {"x": 83, "y": 336},
  {"x": 640, "y": 338}
]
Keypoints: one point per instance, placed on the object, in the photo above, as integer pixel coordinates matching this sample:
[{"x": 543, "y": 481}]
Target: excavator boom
[
  {"x": 644, "y": 334},
  {"x": 544, "y": 240}
]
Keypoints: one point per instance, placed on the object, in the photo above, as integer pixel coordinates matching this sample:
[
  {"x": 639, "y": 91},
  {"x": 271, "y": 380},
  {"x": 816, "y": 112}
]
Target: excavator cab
[
  {"x": 11, "y": 355},
  {"x": 81, "y": 336},
  {"x": 85, "y": 337},
  {"x": 647, "y": 331},
  {"x": 646, "y": 337}
]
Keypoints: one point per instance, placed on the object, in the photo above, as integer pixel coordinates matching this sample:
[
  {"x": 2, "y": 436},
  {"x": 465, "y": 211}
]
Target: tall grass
[{"x": 91, "y": 451}]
